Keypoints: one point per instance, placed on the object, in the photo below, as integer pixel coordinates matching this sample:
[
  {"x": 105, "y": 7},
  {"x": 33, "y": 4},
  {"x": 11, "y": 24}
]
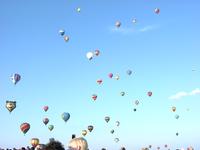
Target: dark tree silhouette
[{"x": 54, "y": 145}]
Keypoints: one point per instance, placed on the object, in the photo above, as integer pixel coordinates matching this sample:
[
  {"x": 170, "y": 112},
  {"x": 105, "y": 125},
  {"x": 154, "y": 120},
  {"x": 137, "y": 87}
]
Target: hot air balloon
[
  {"x": 157, "y": 10},
  {"x": 122, "y": 93},
  {"x": 137, "y": 102},
  {"x": 89, "y": 55},
  {"x": 90, "y": 128},
  {"x": 34, "y": 142},
  {"x": 65, "y": 116},
  {"x": 25, "y": 127},
  {"x": 62, "y": 32},
  {"x": 45, "y": 121},
  {"x": 45, "y": 108},
  {"x": 134, "y": 109},
  {"x": 117, "y": 24},
  {"x": 107, "y": 119},
  {"x": 117, "y": 77},
  {"x": 15, "y": 78},
  {"x": 173, "y": 108},
  {"x": 158, "y": 148},
  {"x": 50, "y": 127},
  {"x": 94, "y": 97},
  {"x": 66, "y": 38},
  {"x": 84, "y": 132},
  {"x": 116, "y": 140},
  {"x": 110, "y": 75},
  {"x": 150, "y": 146},
  {"x": 40, "y": 147},
  {"x": 10, "y": 105},
  {"x": 129, "y": 72},
  {"x": 122, "y": 148},
  {"x": 112, "y": 131},
  {"x": 97, "y": 52},
  {"x": 99, "y": 81},
  {"x": 78, "y": 9},
  {"x": 117, "y": 123},
  {"x": 165, "y": 146},
  {"x": 149, "y": 93},
  {"x": 177, "y": 116},
  {"x": 134, "y": 20},
  {"x": 177, "y": 133},
  {"x": 78, "y": 143}
]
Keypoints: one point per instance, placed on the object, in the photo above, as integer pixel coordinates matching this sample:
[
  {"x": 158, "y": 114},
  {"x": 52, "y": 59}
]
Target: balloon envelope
[
  {"x": 137, "y": 102},
  {"x": 122, "y": 93},
  {"x": 34, "y": 142},
  {"x": 157, "y": 10},
  {"x": 25, "y": 127},
  {"x": 129, "y": 72},
  {"x": 10, "y": 105},
  {"x": 90, "y": 128},
  {"x": 66, "y": 38},
  {"x": 149, "y": 93},
  {"x": 97, "y": 52},
  {"x": 89, "y": 55},
  {"x": 50, "y": 127},
  {"x": 84, "y": 132},
  {"x": 117, "y": 24},
  {"x": 173, "y": 108},
  {"x": 45, "y": 108},
  {"x": 94, "y": 97},
  {"x": 15, "y": 78},
  {"x": 45, "y": 121},
  {"x": 117, "y": 123},
  {"x": 107, "y": 119},
  {"x": 65, "y": 116},
  {"x": 62, "y": 32},
  {"x": 116, "y": 140},
  {"x": 110, "y": 75},
  {"x": 112, "y": 131}
]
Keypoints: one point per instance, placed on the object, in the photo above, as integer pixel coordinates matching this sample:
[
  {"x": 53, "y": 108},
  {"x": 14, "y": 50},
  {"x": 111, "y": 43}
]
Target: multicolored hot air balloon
[
  {"x": 149, "y": 93},
  {"x": 40, "y": 147},
  {"x": 107, "y": 119},
  {"x": 157, "y": 10},
  {"x": 10, "y": 105},
  {"x": 97, "y": 52},
  {"x": 90, "y": 128},
  {"x": 25, "y": 127},
  {"x": 65, "y": 116},
  {"x": 15, "y": 78},
  {"x": 45, "y": 108},
  {"x": 94, "y": 97},
  {"x": 78, "y": 143},
  {"x": 117, "y": 24},
  {"x": 34, "y": 142},
  {"x": 62, "y": 32},
  {"x": 84, "y": 132},
  {"x": 50, "y": 127},
  {"x": 99, "y": 81},
  {"x": 45, "y": 121},
  {"x": 110, "y": 75}
]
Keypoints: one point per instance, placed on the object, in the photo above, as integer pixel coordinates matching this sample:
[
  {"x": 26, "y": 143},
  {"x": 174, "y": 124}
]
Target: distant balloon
[
  {"x": 15, "y": 78},
  {"x": 134, "y": 109},
  {"x": 66, "y": 38},
  {"x": 137, "y": 102},
  {"x": 90, "y": 128},
  {"x": 94, "y": 97},
  {"x": 129, "y": 72},
  {"x": 40, "y": 147},
  {"x": 149, "y": 93},
  {"x": 34, "y": 142},
  {"x": 110, "y": 75},
  {"x": 158, "y": 148},
  {"x": 157, "y": 10},
  {"x": 150, "y": 146},
  {"x": 116, "y": 140},
  {"x": 122, "y": 148},
  {"x": 45, "y": 108},
  {"x": 65, "y": 116},
  {"x": 107, "y": 119},
  {"x": 134, "y": 20},
  {"x": 112, "y": 131},
  {"x": 99, "y": 81},
  {"x": 122, "y": 93},
  {"x": 89, "y": 55},
  {"x": 117, "y": 24},
  {"x": 62, "y": 32},
  {"x": 97, "y": 52},
  {"x": 78, "y": 9},
  {"x": 117, "y": 77},
  {"x": 50, "y": 127},
  {"x": 84, "y": 132},
  {"x": 10, "y": 105},
  {"x": 166, "y": 145},
  {"x": 177, "y": 116},
  {"x": 25, "y": 127},
  {"x": 78, "y": 144},
  {"x": 177, "y": 134},
  {"x": 45, "y": 121},
  {"x": 117, "y": 123},
  {"x": 173, "y": 108}
]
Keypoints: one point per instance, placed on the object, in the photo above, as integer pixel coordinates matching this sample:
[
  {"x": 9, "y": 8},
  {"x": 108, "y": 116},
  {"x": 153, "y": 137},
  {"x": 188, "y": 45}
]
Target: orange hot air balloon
[
  {"x": 25, "y": 127},
  {"x": 34, "y": 142},
  {"x": 173, "y": 108}
]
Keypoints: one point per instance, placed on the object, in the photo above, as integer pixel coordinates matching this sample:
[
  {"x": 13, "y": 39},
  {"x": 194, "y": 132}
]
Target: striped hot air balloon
[
  {"x": 34, "y": 142},
  {"x": 25, "y": 127}
]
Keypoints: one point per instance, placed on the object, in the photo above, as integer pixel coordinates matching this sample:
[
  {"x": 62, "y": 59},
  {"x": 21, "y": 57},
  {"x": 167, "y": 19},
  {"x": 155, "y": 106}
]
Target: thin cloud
[{"x": 179, "y": 95}]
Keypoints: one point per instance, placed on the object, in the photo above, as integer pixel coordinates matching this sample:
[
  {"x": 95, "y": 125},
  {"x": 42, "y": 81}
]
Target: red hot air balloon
[
  {"x": 149, "y": 93},
  {"x": 99, "y": 81},
  {"x": 94, "y": 97},
  {"x": 25, "y": 127},
  {"x": 97, "y": 52},
  {"x": 45, "y": 108}
]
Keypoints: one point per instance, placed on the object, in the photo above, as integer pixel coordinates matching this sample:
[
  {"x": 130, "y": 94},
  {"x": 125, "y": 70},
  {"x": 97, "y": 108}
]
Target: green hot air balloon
[{"x": 50, "y": 127}]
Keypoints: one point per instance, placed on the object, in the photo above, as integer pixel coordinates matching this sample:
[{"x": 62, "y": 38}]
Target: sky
[{"x": 162, "y": 50}]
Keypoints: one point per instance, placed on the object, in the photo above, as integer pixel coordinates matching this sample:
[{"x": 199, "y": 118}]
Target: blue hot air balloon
[{"x": 65, "y": 116}]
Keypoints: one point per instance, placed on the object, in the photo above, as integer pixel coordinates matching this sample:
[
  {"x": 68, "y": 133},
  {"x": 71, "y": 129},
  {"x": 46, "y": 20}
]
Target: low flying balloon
[
  {"x": 66, "y": 38},
  {"x": 84, "y": 132},
  {"x": 25, "y": 127},
  {"x": 45, "y": 121},
  {"x": 50, "y": 127},
  {"x": 173, "y": 108},
  {"x": 107, "y": 119},
  {"x": 117, "y": 123},
  {"x": 15, "y": 78},
  {"x": 122, "y": 93},
  {"x": 89, "y": 55},
  {"x": 177, "y": 116},
  {"x": 112, "y": 131},
  {"x": 65, "y": 116},
  {"x": 94, "y": 97},
  {"x": 97, "y": 52},
  {"x": 137, "y": 102},
  {"x": 110, "y": 75},
  {"x": 117, "y": 24},
  {"x": 157, "y": 10},
  {"x": 116, "y": 140},
  {"x": 34, "y": 142},
  {"x": 10, "y": 105},
  {"x": 90, "y": 128},
  {"x": 99, "y": 81},
  {"x": 129, "y": 72},
  {"x": 45, "y": 108},
  {"x": 62, "y": 32},
  {"x": 149, "y": 93}
]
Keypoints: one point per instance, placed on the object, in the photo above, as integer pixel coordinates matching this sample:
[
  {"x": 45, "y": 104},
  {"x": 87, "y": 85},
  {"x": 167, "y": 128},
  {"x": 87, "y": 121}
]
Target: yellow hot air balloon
[
  {"x": 10, "y": 105},
  {"x": 84, "y": 132},
  {"x": 34, "y": 142},
  {"x": 78, "y": 143}
]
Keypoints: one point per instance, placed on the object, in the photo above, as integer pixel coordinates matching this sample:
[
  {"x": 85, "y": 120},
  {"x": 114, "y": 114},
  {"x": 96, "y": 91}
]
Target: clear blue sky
[{"x": 161, "y": 50}]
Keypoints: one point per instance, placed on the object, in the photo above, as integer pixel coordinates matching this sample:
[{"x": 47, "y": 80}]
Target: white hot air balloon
[{"x": 89, "y": 55}]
